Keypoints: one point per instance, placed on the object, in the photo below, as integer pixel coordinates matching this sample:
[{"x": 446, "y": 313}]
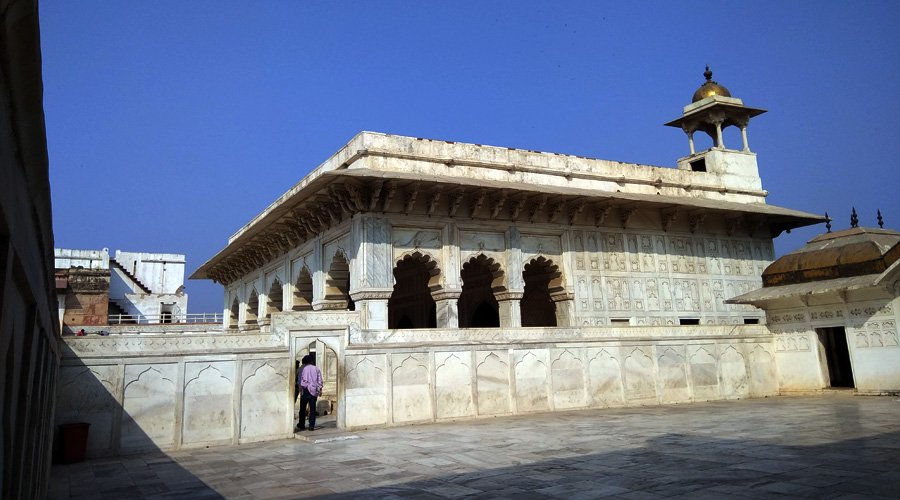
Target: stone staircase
[{"x": 132, "y": 277}]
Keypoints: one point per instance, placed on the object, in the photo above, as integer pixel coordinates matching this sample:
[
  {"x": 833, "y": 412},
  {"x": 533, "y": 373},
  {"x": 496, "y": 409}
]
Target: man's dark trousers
[{"x": 307, "y": 399}]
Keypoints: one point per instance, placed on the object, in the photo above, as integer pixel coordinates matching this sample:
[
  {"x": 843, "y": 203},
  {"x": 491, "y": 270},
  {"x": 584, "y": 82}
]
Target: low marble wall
[
  {"x": 404, "y": 377},
  {"x": 174, "y": 391},
  {"x": 873, "y": 342},
  {"x": 170, "y": 391}
]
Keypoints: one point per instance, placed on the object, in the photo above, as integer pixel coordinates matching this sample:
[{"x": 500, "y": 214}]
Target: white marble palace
[{"x": 437, "y": 280}]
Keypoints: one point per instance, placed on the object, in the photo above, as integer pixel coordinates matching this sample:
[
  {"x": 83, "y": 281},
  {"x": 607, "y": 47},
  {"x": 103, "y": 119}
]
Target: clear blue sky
[{"x": 171, "y": 124}]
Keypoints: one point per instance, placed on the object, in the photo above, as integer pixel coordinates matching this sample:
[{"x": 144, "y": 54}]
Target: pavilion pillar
[
  {"x": 510, "y": 309},
  {"x": 447, "y": 308},
  {"x": 565, "y": 308},
  {"x": 373, "y": 308}
]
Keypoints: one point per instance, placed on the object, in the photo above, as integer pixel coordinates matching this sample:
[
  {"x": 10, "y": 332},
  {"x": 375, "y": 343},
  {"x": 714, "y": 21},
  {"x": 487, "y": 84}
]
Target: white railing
[{"x": 151, "y": 319}]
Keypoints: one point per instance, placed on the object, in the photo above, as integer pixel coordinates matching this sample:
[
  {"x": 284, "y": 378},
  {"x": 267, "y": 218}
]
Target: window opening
[
  {"x": 411, "y": 304},
  {"x": 537, "y": 307},
  {"x": 478, "y": 308}
]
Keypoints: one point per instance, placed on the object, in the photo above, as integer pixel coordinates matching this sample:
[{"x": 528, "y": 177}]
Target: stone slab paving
[{"x": 822, "y": 446}]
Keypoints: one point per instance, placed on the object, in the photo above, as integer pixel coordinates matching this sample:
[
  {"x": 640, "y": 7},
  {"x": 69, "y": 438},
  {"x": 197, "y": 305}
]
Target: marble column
[
  {"x": 447, "y": 308},
  {"x": 373, "y": 306},
  {"x": 565, "y": 308},
  {"x": 510, "y": 309}
]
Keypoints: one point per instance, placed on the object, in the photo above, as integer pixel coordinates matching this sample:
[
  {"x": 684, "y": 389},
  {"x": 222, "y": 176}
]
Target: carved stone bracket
[
  {"x": 668, "y": 217},
  {"x": 411, "y": 194},
  {"x": 498, "y": 205},
  {"x": 575, "y": 210},
  {"x": 695, "y": 221},
  {"x": 625, "y": 214},
  {"x": 375, "y": 194},
  {"x": 390, "y": 189},
  {"x": 478, "y": 201},
  {"x": 537, "y": 206},
  {"x": 556, "y": 209},
  {"x": 601, "y": 211},
  {"x": 518, "y": 206},
  {"x": 433, "y": 200},
  {"x": 455, "y": 200}
]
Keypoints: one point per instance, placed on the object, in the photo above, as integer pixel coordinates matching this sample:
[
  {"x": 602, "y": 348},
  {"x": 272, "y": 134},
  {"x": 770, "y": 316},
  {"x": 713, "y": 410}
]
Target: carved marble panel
[
  {"x": 614, "y": 252},
  {"x": 704, "y": 373},
  {"x": 531, "y": 380},
  {"x": 533, "y": 245},
  {"x": 365, "y": 384},
  {"x": 410, "y": 239},
  {"x": 673, "y": 386},
  {"x": 411, "y": 388},
  {"x": 471, "y": 242},
  {"x": 264, "y": 393},
  {"x": 492, "y": 379},
  {"x": 618, "y": 294},
  {"x": 149, "y": 418},
  {"x": 681, "y": 255},
  {"x": 208, "y": 401},
  {"x": 453, "y": 385},
  {"x": 640, "y": 383},
  {"x": 88, "y": 394},
  {"x": 762, "y": 372},
  {"x": 605, "y": 377},
  {"x": 733, "y": 373},
  {"x": 567, "y": 376},
  {"x": 647, "y": 253}
]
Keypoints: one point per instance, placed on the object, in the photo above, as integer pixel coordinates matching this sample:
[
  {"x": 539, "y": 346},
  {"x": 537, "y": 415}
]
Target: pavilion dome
[
  {"x": 853, "y": 252},
  {"x": 710, "y": 88}
]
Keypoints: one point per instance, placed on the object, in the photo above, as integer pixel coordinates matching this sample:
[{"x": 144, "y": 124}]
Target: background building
[{"x": 95, "y": 289}]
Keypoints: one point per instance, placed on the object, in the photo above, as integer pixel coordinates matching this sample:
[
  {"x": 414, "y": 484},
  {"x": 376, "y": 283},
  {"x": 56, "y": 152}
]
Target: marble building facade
[{"x": 437, "y": 280}]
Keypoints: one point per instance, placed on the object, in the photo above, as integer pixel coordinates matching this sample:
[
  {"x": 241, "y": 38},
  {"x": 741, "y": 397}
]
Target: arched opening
[
  {"x": 274, "y": 299},
  {"x": 233, "y": 313},
  {"x": 303, "y": 291},
  {"x": 411, "y": 304},
  {"x": 542, "y": 278},
  {"x": 327, "y": 361},
  {"x": 252, "y": 309},
  {"x": 478, "y": 307},
  {"x": 337, "y": 283}
]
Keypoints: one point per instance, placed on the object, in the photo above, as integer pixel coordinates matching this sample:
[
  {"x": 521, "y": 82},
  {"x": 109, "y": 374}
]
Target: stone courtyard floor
[{"x": 830, "y": 446}]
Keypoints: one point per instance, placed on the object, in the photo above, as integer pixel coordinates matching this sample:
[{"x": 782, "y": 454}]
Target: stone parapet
[{"x": 419, "y": 337}]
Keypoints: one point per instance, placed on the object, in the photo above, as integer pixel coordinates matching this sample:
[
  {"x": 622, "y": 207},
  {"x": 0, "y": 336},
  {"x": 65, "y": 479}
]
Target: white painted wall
[
  {"x": 88, "y": 259},
  {"x": 161, "y": 272}
]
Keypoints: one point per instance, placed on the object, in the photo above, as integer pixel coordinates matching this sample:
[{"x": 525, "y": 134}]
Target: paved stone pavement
[{"x": 823, "y": 446}]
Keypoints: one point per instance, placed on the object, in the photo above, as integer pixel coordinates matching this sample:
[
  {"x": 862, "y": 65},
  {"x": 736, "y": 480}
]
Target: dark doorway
[{"x": 833, "y": 343}]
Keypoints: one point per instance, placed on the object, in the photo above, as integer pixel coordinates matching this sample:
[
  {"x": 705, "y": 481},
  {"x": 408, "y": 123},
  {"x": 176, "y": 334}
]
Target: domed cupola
[
  {"x": 712, "y": 110},
  {"x": 709, "y": 88}
]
